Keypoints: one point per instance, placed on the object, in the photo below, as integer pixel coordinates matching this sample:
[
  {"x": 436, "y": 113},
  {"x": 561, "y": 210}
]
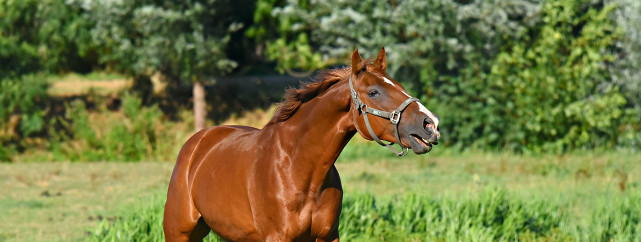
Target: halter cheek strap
[{"x": 394, "y": 117}]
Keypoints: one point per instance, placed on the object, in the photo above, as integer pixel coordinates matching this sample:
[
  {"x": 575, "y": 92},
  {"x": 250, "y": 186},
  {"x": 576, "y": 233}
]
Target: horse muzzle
[{"x": 422, "y": 140}]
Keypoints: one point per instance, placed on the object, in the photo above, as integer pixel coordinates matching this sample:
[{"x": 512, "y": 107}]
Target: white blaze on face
[
  {"x": 392, "y": 83},
  {"x": 422, "y": 108},
  {"x": 388, "y": 81}
]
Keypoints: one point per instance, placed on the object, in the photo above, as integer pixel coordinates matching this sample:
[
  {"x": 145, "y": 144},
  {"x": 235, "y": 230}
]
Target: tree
[
  {"x": 626, "y": 69},
  {"x": 184, "y": 40},
  {"x": 521, "y": 74}
]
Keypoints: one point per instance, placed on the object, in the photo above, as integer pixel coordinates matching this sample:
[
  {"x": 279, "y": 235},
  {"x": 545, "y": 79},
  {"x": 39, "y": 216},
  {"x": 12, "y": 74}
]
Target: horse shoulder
[{"x": 217, "y": 139}]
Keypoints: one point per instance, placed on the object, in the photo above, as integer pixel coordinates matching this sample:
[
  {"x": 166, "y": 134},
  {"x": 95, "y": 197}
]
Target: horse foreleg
[
  {"x": 328, "y": 209},
  {"x": 182, "y": 222}
]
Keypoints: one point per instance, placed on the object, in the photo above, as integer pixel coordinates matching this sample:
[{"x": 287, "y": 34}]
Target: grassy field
[
  {"x": 438, "y": 196},
  {"x": 60, "y": 201},
  {"x": 465, "y": 197}
]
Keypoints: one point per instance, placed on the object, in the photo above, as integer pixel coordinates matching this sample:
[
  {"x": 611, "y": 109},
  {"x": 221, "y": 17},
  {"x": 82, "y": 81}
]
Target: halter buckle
[{"x": 395, "y": 116}]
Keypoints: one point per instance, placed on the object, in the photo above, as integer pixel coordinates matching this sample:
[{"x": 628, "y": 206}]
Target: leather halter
[{"x": 394, "y": 117}]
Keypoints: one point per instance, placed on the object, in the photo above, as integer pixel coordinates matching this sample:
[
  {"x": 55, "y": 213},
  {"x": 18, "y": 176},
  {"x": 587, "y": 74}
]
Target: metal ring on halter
[{"x": 395, "y": 116}]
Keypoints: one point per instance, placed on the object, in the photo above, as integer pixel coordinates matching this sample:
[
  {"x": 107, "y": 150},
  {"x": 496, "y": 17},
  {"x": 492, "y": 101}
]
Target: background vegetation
[
  {"x": 518, "y": 75},
  {"x": 515, "y": 75},
  {"x": 549, "y": 90}
]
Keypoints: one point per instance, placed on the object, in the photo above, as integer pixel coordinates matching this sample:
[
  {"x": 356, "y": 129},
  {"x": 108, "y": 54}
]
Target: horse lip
[{"x": 419, "y": 144}]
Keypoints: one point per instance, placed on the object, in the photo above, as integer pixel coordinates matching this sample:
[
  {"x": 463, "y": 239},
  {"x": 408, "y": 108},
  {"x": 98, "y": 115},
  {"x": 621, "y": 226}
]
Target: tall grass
[
  {"x": 143, "y": 225},
  {"x": 489, "y": 215}
]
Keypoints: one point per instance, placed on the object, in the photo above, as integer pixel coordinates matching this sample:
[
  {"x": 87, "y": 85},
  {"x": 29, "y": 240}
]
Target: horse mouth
[{"x": 420, "y": 145}]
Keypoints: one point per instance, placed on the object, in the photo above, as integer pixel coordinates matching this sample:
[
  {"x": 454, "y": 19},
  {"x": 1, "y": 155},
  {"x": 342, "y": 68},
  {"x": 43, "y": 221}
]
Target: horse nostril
[{"x": 428, "y": 125}]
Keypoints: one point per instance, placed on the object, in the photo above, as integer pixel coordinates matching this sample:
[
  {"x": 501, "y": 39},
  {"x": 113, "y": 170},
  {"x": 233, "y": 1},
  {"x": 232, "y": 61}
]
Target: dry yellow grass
[{"x": 74, "y": 84}]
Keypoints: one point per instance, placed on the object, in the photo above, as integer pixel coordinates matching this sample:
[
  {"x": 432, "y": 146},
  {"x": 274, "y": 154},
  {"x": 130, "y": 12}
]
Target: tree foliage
[
  {"x": 518, "y": 74},
  {"x": 43, "y": 36},
  {"x": 524, "y": 75},
  {"x": 541, "y": 92},
  {"x": 444, "y": 34},
  {"x": 183, "y": 39}
]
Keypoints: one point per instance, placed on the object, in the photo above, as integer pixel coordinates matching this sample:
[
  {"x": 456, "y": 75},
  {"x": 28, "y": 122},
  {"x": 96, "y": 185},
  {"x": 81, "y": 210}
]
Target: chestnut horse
[{"x": 279, "y": 183}]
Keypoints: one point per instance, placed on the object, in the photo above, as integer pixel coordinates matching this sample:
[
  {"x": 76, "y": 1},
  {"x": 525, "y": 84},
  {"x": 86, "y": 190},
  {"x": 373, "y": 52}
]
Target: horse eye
[{"x": 373, "y": 93}]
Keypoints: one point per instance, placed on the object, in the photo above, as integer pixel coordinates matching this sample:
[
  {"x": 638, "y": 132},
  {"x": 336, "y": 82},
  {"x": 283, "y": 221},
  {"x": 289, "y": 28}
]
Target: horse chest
[{"x": 294, "y": 212}]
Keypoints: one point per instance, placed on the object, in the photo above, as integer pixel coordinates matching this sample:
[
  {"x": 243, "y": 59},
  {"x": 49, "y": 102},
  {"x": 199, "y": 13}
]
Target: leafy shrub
[
  {"x": 135, "y": 133},
  {"x": 20, "y": 110},
  {"x": 17, "y": 57}
]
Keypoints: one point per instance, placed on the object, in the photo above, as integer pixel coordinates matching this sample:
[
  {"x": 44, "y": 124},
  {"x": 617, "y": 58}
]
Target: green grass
[
  {"x": 60, "y": 201},
  {"x": 465, "y": 197},
  {"x": 488, "y": 215},
  {"x": 443, "y": 195}
]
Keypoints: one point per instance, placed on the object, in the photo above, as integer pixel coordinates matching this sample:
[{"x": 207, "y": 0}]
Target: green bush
[
  {"x": 21, "y": 112},
  {"x": 135, "y": 133},
  {"x": 17, "y": 57}
]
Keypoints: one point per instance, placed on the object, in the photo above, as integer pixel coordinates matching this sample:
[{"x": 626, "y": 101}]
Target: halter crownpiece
[{"x": 394, "y": 117}]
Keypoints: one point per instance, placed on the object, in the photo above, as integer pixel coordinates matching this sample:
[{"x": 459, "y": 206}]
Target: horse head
[{"x": 382, "y": 109}]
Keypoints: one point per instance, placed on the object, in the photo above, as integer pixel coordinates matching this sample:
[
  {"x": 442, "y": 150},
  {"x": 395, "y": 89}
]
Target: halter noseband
[{"x": 394, "y": 117}]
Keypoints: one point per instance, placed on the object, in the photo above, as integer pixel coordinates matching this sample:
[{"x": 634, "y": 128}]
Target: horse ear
[
  {"x": 357, "y": 62},
  {"x": 380, "y": 60}
]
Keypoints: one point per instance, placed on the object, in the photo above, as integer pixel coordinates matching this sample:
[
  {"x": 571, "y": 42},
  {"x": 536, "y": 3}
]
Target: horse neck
[{"x": 317, "y": 133}]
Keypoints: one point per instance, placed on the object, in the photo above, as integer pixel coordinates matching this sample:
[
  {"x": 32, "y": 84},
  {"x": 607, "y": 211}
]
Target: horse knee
[{"x": 200, "y": 231}]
